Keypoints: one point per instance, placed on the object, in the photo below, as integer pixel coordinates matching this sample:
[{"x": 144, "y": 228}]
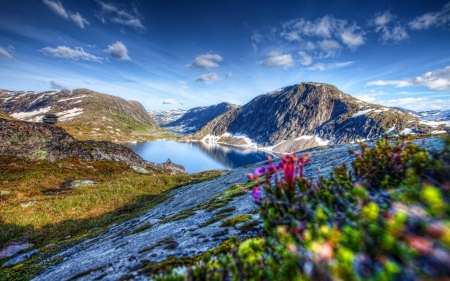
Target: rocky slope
[
  {"x": 84, "y": 114},
  {"x": 197, "y": 117},
  {"x": 301, "y": 116},
  {"x": 38, "y": 141},
  {"x": 180, "y": 227},
  {"x": 163, "y": 117}
]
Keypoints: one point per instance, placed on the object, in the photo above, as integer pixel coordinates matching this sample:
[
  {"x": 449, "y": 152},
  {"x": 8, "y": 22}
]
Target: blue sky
[{"x": 180, "y": 54}]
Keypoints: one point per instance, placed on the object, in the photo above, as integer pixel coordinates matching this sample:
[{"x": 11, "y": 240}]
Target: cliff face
[
  {"x": 303, "y": 116},
  {"x": 36, "y": 141},
  {"x": 84, "y": 113},
  {"x": 197, "y": 117}
]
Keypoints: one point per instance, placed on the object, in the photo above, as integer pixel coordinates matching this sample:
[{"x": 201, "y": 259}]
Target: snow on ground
[
  {"x": 304, "y": 138},
  {"x": 26, "y": 115},
  {"x": 322, "y": 141},
  {"x": 407, "y": 131},
  {"x": 72, "y": 98},
  {"x": 435, "y": 123},
  {"x": 439, "y": 132},
  {"x": 363, "y": 112},
  {"x": 78, "y": 101},
  {"x": 391, "y": 129},
  {"x": 214, "y": 139},
  {"x": 381, "y": 110},
  {"x": 69, "y": 114}
]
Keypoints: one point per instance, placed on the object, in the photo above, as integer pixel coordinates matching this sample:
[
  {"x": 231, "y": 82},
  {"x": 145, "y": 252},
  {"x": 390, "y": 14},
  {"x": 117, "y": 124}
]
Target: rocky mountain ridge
[
  {"x": 305, "y": 115},
  {"x": 84, "y": 113},
  {"x": 195, "y": 118},
  {"x": 162, "y": 117}
]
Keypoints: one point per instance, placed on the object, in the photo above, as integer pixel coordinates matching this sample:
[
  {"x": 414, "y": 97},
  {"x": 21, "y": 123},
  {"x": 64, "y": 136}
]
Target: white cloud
[
  {"x": 328, "y": 28},
  {"x": 6, "y": 53},
  {"x": 435, "y": 80},
  {"x": 417, "y": 104},
  {"x": 169, "y": 101},
  {"x": 210, "y": 77},
  {"x": 183, "y": 102},
  {"x": 58, "y": 9},
  {"x": 367, "y": 98},
  {"x": 229, "y": 75},
  {"x": 304, "y": 58},
  {"x": 432, "y": 19},
  {"x": 74, "y": 54},
  {"x": 119, "y": 14},
  {"x": 118, "y": 51},
  {"x": 394, "y": 32},
  {"x": 352, "y": 39},
  {"x": 57, "y": 86},
  {"x": 276, "y": 58},
  {"x": 206, "y": 61},
  {"x": 327, "y": 66},
  {"x": 330, "y": 48}
]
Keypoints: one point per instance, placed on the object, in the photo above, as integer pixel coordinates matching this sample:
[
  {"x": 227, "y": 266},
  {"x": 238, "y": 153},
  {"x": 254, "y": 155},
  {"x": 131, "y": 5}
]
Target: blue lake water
[{"x": 197, "y": 156}]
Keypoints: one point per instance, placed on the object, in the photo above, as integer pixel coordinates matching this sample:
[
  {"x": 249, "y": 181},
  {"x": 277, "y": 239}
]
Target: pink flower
[
  {"x": 256, "y": 193},
  {"x": 260, "y": 171}
]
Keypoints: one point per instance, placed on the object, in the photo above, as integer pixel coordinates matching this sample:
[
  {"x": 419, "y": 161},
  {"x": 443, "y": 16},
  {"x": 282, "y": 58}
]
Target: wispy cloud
[
  {"x": 389, "y": 30},
  {"x": 434, "y": 80},
  {"x": 57, "y": 86},
  {"x": 206, "y": 61},
  {"x": 58, "y": 9},
  {"x": 305, "y": 59},
  {"x": 183, "y": 102},
  {"x": 416, "y": 104},
  {"x": 120, "y": 14},
  {"x": 210, "y": 77},
  {"x": 169, "y": 101},
  {"x": 276, "y": 59},
  {"x": 229, "y": 75},
  {"x": 118, "y": 51},
  {"x": 327, "y": 66},
  {"x": 73, "y": 54},
  {"x": 6, "y": 53},
  {"x": 440, "y": 18}
]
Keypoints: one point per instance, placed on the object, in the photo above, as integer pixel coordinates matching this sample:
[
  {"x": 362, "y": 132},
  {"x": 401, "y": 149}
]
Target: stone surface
[
  {"x": 21, "y": 258},
  {"x": 13, "y": 249},
  {"x": 139, "y": 170},
  {"x": 77, "y": 183},
  {"x": 5, "y": 192},
  {"x": 119, "y": 252}
]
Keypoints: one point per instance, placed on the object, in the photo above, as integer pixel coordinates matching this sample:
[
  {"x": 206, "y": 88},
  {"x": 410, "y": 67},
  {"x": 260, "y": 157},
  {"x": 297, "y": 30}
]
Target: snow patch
[
  {"x": 72, "y": 98},
  {"x": 439, "y": 132},
  {"x": 391, "y": 129},
  {"x": 69, "y": 114},
  {"x": 407, "y": 131},
  {"x": 435, "y": 123},
  {"x": 363, "y": 112},
  {"x": 25, "y": 115}
]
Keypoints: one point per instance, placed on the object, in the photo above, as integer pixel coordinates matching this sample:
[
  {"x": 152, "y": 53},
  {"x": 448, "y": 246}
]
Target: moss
[
  {"x": 236, "y": 220},
  {"x": 180, "y": 215},
  {"x": 141, "y": 228},
  {"x": 39, "y": 154},
  {"x": 214, "y": 219},
  {"x": 226, "y": 210},
  {"x": 169, "y": 242},
  {"x": 221, "y": 200}
]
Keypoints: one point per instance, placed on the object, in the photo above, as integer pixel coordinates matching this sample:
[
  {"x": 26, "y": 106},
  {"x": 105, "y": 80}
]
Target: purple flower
[
  {"x": 260, "y": 171},
  {"x": 256, "y": 193}
]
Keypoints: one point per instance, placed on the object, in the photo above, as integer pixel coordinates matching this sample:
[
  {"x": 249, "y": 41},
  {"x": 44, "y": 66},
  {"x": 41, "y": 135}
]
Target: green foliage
[{"x": 386, "y": 219}]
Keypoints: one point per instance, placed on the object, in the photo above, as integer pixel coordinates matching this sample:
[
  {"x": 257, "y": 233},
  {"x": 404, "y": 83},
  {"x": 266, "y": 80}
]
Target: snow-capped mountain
[{"x": 163, "y": 117}]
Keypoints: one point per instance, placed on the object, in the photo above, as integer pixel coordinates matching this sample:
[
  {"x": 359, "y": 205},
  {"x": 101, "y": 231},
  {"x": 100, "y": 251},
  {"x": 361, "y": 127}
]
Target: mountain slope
[
  {"x": 84, "y": 114},
  {"x": 163, "y": 117},
  {"x": 301, "y": 116},
  {"x": 197, "y": 117}
]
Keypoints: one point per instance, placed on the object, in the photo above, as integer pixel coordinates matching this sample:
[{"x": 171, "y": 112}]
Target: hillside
[
  {"x": 197, "y": 117},
  {"x": 162, "y": 117},
  {"x": 301, "y": 116},
  {"x": 84, "y": 114}
]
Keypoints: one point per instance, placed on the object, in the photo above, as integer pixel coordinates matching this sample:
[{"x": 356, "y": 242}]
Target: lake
[{"x": 197, "y": 156}]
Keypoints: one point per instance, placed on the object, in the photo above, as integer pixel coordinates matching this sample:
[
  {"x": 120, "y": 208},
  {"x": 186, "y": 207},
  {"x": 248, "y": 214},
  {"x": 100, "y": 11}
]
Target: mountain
[
  {"x": 435, "y": 115},
  {"x": 163, "y": 117},
  {"x": 197, "y": 117},
  {"x": 301, "y": 116},
  {"x": 84, "y": 114},
  {"x": 5, "y": 116}
]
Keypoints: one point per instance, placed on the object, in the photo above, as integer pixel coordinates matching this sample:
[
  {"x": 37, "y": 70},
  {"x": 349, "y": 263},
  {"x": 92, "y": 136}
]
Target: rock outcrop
[
  {"x": 303, "y": 116},
  {"x": 37, "y": 141},
  {"x": 85, "y": 114}
]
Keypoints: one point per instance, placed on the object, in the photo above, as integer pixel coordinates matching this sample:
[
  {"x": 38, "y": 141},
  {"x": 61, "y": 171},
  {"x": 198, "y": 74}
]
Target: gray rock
[
  {"x": 21, "y": 258},
  {"x": 28, "y": 204},
  {"x": 5, "y": 192},
  {"x": 13, "y": 249},
  {"x": 139, "y": 170},
  {"x": 77, "y": 183}
]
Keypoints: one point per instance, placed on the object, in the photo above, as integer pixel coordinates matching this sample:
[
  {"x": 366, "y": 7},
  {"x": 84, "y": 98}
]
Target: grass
[{"x": 55, "y": 213}]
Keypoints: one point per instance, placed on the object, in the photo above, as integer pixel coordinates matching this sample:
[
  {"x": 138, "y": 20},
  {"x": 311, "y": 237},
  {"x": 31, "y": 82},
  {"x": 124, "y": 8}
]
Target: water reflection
[{"x": 197, "y": 156}]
